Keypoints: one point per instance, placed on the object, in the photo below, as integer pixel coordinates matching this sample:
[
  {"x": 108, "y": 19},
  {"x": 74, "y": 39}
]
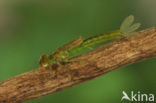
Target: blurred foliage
[{"x": 30, "y": 28}]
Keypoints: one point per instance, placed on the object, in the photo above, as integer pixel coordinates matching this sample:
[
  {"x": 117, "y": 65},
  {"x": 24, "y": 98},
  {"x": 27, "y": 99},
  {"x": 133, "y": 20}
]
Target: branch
[{"x": 44, "y": 81}]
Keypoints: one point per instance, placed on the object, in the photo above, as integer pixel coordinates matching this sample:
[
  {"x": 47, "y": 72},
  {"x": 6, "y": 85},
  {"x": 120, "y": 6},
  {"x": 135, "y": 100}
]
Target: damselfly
[{"x": 64, "y": 53}]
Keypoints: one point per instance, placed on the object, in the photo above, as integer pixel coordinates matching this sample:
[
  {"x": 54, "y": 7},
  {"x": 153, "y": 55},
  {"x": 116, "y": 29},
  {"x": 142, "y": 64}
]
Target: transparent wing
[
  {"x": 126, "y": 23},
  {"x": 133, "y": 28},
  {"x": 76, "y": 42}
]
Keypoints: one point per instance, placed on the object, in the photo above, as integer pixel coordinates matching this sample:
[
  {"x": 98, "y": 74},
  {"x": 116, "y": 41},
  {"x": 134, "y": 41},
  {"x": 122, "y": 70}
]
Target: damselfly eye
[{"x": 43, "y": 61}]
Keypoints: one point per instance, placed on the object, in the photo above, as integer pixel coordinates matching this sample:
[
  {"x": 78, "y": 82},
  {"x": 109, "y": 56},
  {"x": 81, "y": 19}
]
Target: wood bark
[{"x": 43, "y": 81}]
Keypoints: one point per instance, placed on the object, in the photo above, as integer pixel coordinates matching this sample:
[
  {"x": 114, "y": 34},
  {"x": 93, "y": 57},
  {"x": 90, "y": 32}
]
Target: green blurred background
[{"x": 30, "y": 28}]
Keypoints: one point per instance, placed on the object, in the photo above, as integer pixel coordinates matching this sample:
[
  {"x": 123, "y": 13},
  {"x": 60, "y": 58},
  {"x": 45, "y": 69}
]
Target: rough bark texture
[{"x": 43, "y": 81}]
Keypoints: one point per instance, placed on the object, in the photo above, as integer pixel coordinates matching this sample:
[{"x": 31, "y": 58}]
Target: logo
[{"x": 138, "y": 96}]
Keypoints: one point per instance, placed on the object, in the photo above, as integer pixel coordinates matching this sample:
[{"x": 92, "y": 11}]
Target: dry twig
[{"x": 40, "y": 82}]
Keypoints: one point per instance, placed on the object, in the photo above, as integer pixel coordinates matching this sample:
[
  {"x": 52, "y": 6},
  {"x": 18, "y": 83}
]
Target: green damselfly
[{"x": 64, "y": 53}]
